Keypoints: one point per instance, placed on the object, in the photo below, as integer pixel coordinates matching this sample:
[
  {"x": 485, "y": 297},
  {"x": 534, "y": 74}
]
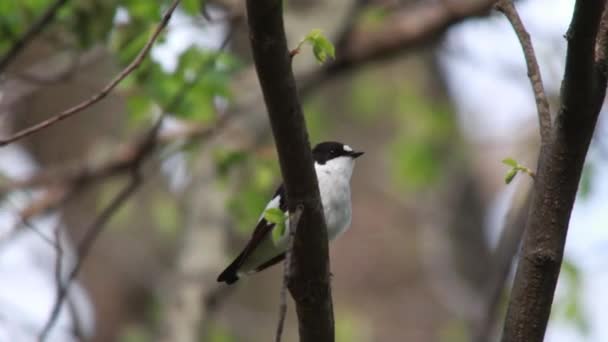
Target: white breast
[{"x": 334, "y": 185}]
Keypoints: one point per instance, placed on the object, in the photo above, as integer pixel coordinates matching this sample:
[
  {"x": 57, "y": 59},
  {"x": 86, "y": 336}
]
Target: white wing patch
[
  {"x": 274, "y": 203},
  {"x": 347, "y": 148}
]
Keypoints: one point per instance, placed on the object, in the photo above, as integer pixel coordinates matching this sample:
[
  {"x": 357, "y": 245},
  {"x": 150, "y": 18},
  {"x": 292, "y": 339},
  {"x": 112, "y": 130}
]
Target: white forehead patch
[{"x": 347, "y": 148}]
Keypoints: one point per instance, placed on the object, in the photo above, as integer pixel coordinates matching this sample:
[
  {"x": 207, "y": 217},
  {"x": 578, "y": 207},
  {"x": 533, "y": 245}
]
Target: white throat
[
  {"x": 337, "y": 168},
  {"x": 334, "y": 185}
]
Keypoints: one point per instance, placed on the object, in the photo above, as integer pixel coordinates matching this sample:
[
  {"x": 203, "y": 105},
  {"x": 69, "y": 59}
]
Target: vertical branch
[
  {"x": 560, "y": 164},
  {"x": 309, "y": 282},
  {"x": 294, "y": 220},
  {"x": 542, "y": 104}
]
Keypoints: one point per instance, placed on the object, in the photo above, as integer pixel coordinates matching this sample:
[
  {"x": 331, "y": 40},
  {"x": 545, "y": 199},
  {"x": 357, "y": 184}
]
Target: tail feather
[{"x": 230, "y": 274}]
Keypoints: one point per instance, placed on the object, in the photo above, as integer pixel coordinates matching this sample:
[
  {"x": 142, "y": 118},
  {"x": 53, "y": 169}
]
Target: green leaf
[
  {"x": 321, "y": 46},
  {"x": 278, "y": 232},
  {"x": 277, "y": 217},
  {"x": 510, "y": 162},
  {"x": 510, "y": 175},
  {"x": 274, "y": 215}
]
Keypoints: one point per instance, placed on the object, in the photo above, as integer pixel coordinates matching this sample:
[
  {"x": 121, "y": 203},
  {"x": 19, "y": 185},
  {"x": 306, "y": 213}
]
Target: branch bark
[
  {"x": 309, "y": 282},
  {"x": 542, "y": 104},
  {"x": 294, "y": 221},
  {"x": 559, "y": 169}
]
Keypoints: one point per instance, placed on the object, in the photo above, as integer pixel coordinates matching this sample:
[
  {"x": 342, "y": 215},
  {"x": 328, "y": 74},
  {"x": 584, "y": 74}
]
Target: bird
[{"x": 334, "y": 163}]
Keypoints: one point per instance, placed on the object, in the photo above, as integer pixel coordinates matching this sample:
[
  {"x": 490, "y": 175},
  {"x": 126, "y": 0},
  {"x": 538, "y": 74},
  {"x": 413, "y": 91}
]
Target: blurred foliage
[
  {"x": 189, "y": 92},
  {"x": 372, "y": 17},
  {"x": 226, "y": 159},
  {"x": 84, "y": 23},
  {"x": 454, "y": 330},
  {"x": 568, "y": 305},
  {"x": 216, "y": 333},
  {"x": 254, "y": 192},
  {"x": 192, "y": 7},
  {"x": 317, "y": 121},
  {"x": 585, "y": 186},
  {"x": 424, "y": 127},
  {"x": 166, "y": 215},
  {"x": 351, "y": 328},
  {"x": 135, "y": 333},
  {"x": 426, "y": 133},
  {"x": 371, "y": 97},
  {"x": 91, "y": 21},
  {"x": 124, "y": 27}
]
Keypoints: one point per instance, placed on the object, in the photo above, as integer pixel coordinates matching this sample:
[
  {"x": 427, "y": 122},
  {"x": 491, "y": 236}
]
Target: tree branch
[
  {"x": 84, "y": 248},
  {"x": 294, "y": 220},
  {"x": 413, "y": 26},
  {"x": 96, "y": 227},
  {"x": 309, "y": 284},
  {"x": 103, "y": 92},
  {"x": 542, "y": 104},
  {"x": 45, "y": 19},
  {"x": 559, "y": 169}
]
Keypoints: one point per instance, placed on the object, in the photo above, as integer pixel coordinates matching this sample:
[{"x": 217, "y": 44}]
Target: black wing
[{"x": 229, "y": 275}]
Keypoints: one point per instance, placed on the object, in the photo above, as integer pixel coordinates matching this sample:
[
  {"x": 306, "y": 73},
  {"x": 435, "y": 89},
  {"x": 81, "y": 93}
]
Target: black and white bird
[{"x": 334, "y": 163}]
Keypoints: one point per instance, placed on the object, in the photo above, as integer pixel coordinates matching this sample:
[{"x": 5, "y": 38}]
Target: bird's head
[{"x": 335, "y": 157}]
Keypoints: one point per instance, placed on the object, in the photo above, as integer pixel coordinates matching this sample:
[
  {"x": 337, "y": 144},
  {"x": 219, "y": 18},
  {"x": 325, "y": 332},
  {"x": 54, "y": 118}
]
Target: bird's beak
[{"x": 356, "y": 154}]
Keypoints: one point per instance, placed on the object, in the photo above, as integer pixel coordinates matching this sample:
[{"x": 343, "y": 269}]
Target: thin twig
[
  {"x": 294, "y": 220},
  {"x": 560, "y": 165},
  {"x": 103, "y": 92},
  {"x": 601, "y": 54},
  {"x": 81, "y": 176},
  {"x": 87, "y": 173},
  {"x": 58, "y": 258},
  {"x": 25, "y": 222},
  {"x": 96, "y": 227},
  {"x": 92, "y": 232},
  {"x": 542, "y": 104},
  {"x": 45, "y": 19}
]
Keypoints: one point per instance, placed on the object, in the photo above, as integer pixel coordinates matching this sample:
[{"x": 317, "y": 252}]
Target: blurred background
[{"x": 435, "y": 93}]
